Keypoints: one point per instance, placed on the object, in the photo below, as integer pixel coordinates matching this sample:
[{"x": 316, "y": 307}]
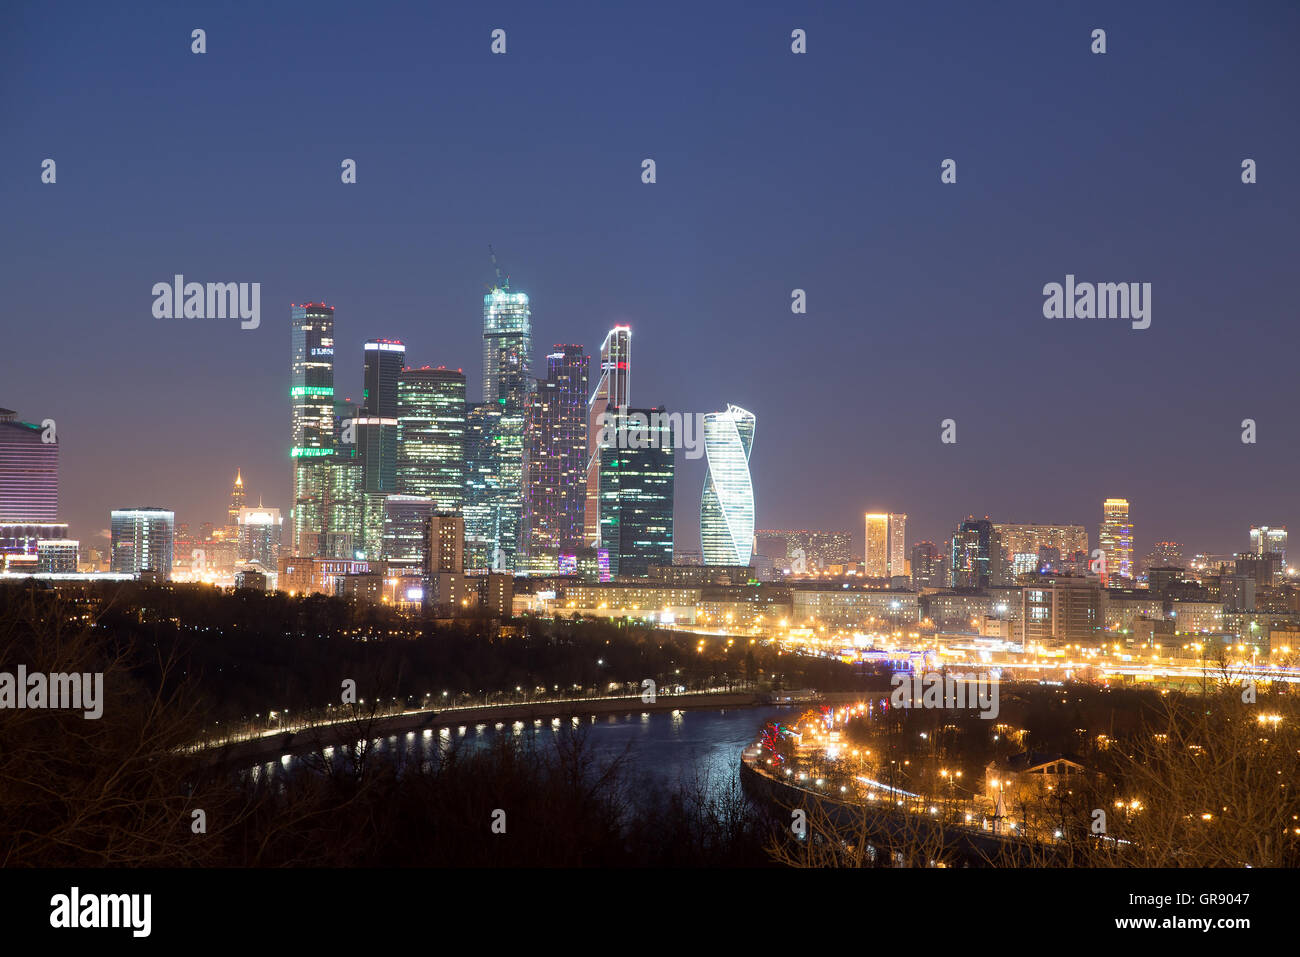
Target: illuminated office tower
[
  {"x": 886, "y": 548},
  {"x": 507, "y": 346},
  {"x": 877, "y": 545},
  {"x": 482, "y": 493},
  {"x": 259, "y": 535},
  {"x": 376, "y": 427},
  {"x": 637, "y": 481},
  {"x": 613, "y": 391},
  {"x": 236, "y": 501},
  {"x": 142, "y": 540},
  {"x": 727, "y": 505},
  {"x": 312, "y": 394},
  {"x": 976, "y": 558},
  {"x": 431, "y": 435},
  {"x": 555, "y": 460},
  {"x": 1265, "y": 538},
  {"x": 1116, "y": 538},
  {"x": 405, "y": 535},
  {"x": 29, "y": 471}
]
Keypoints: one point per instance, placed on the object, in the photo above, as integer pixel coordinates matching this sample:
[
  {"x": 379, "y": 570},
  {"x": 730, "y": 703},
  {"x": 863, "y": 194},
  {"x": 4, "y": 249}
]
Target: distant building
[
  {"x": 1018, "y": 539},
  {"x": 977, "y": 557},
  {"x": 637, "y": 475},
  {"x": 555, "y": 461},
  {"x": 727, "y": 504},
  {"x": 1116, "y": 538},
  {"x": 927, "y": 561},
  {"x": 431, "y": 435},
  {"x": 312, "y": 394},
  {"x": 259, "y": 534},
  {"x": 142, "y": 540},
  {"x": 406, "y": 523},
  {"x": 1265, "y": 538},
  {"x": 612, "y": 392},
  {"x": 29, "y": 471},
  {"x": 1062, "y": 609},
  {"x": 57, "y": 555}
]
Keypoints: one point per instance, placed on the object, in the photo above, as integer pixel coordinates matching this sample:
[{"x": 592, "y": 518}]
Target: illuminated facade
[
  {"x": 886, "y": 548},
  {"x": 259, "y": 535},
  {"x": 555, "y": 460},
  {"x": 376, "y": 426},
  {"x": 613, "y": 391},
  {"x": 29, "y": 471},
  {"x": 1018, "y": 539},
  {"x": 976, "y": 557},
  {"x": 142, "y": 539},
  {"x": 236, "y": 501},
  {"x": 1116, "y": 538},
  {"x": 311, "y": 393},
  {"x": 1265, "y": 538},
  {"x": 637, "y": 477},
  {"x": 406, "y": 524},
  {"x": 507, "y": 347},
  {"x": 727, "y": 505},
  {"x": 431, "y": 435}
]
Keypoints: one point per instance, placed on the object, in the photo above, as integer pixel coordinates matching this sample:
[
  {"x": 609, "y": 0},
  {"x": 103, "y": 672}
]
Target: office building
[
  {"x": 976, "y": 556},
  {"x": 727, "y": 504},
  {"x": 1116, "y": 538},
  {"x": 555, "y": 461},
  {"x": 260, "y": 532},
  {"x": 613, "y": 391},
  {"x": 311, "y": 392},
  {"x": 1265, "y": 538},
  {"x": 142, "y": 541},
  {"x": 637, "y": 475},
  {"x": 431, "y": 435},
  {"x": 29, "y": 471}
]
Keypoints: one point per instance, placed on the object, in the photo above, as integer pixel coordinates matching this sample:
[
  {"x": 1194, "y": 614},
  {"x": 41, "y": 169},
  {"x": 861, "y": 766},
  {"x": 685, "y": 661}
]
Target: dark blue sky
[{"x": 775, "y": 171}]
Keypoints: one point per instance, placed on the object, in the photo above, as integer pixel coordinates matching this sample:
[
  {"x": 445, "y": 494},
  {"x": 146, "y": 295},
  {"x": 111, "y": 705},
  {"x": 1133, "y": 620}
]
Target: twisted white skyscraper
[{"x": 727, "y": 506}]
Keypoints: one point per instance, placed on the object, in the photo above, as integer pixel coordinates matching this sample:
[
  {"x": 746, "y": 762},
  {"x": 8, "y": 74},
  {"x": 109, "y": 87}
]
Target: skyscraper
[
  {"x": 312, "y": 395},
  {"x": 555, "y": 460},
  {"x": 1266, "y": 538},
  {"x": 431, "y": 435},
  {"x": 637, "y": 478},
  {"x": 376, "y": 427},
  {"x": 507, "y": 346},
  {"x": 613, "y": 391},
  {"x": 926, "y": 565},
  {"x": 1116, "y": 538},
  {"x": 482, "y": 486},
  {"x": 886, "y": 548},
  {"x": 259, "y": 535},
  {"x": 236, "y": 501},
  {"x": 29, "y": 471},
  {"x": 976, "y": 559},
  {"x": 727, "y": 505},
  {"x": 142, "y": 539}
]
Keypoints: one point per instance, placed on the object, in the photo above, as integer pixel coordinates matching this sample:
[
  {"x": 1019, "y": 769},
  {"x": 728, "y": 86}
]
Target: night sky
[{"x": 775, "y": 171}]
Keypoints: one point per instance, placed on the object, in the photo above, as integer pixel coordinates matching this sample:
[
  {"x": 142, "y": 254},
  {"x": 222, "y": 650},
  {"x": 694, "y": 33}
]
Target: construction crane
[{"x": 495, "y": 265}]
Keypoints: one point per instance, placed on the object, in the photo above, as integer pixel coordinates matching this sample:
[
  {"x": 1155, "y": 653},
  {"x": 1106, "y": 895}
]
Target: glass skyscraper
[
  {"x": 29, "y": 472},
  {"x": 431, "y": 435},
  {"x": 727, "y": 505},
  {"x": 507, "y": 346},
  {"x": 312, "y": 395},
  {"x": 555, "y": 460},
  {"x": 376, "y": 427},
  {"x": 613, "y": 391},
  {"x": 637, "y": 477},
  {"x": 142, "y": 539}
]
